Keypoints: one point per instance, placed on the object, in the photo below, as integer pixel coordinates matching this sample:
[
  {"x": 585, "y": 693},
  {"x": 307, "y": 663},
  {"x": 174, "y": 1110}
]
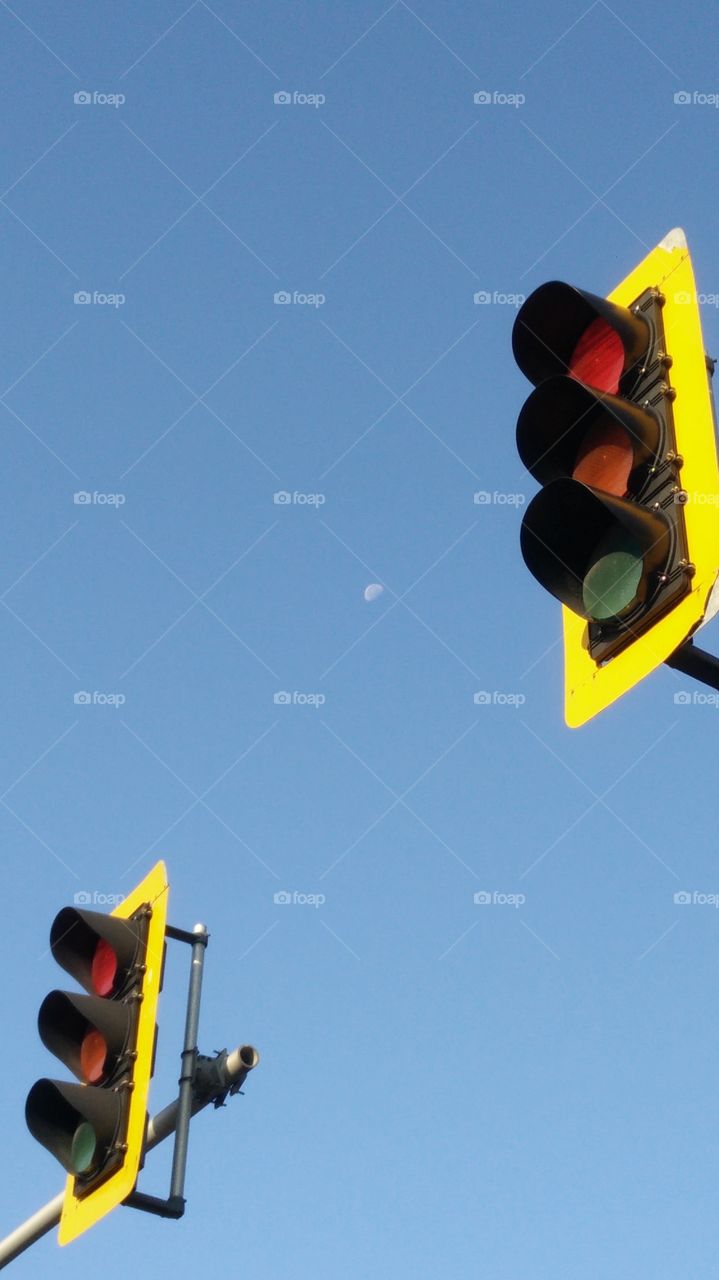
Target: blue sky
[{"x": 201, "y": 479}]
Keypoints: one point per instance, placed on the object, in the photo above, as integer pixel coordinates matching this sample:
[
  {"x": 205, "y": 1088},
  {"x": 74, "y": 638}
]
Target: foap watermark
[
  {"x": 497, "y": 698},
  {"x": 296, "y": 98},
  {"x": 296, "y": 899},
  {"x": 95, "y": 898},
  {"x": 495, "y": 98},
  {"x": 695, "y": 698},
  {"x": 93, "y": 98},
  {"x": 83, "y": 498},
  {"x": 697, "y": 499},
  {"x": 496, "y": 898},
  {"x": 694, "y": 98},
  {"x": 285, "y": 698},
  {"x": 283, "y": 498},
  {"x": 283, "y": 298},
  {"x": 97, "y": 699},
  {"x": 683, "y": 298},
  {"x": 483, "y": 298},
  {"x": 84, "y": 298},
  {"x": 95, "y": 298},
  {"x": 497, "y": 498},
  {"x": 685, "y": 898}
]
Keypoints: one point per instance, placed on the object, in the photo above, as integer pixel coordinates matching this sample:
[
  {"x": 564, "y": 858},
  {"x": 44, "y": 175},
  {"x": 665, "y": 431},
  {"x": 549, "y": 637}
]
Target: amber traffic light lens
[
  {"x": 93, "y": 1056},
  {"x": 605, "y": 459}
]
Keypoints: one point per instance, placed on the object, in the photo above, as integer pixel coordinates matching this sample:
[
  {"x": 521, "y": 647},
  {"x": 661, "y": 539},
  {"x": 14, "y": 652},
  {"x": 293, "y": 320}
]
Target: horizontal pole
[
  {"x": 696, "y": 663},
  {"x": 170, "y": 1207},
  {"x": 227, "y": 1077},
  {"x": 182, "y": 935}
]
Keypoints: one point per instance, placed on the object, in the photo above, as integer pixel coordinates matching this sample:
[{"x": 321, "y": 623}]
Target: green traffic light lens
[
  {"x": 82, "y": 1151},
  {"x": 612, "y": 581}
]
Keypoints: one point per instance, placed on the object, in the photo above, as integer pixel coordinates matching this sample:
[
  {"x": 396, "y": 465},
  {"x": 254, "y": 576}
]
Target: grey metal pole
[
  {"x": 189, "y": 1063},
  {"x": 226, "y": 1075}
]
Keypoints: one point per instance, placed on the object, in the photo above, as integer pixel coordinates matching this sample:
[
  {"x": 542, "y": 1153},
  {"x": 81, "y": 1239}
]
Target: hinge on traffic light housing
[{"x": 658, "y": 488}]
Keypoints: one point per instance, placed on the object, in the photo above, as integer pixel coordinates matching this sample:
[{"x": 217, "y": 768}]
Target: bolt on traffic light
[
  {"x": 106, "y": 1038},
  {"x": 620, "y": 433}
]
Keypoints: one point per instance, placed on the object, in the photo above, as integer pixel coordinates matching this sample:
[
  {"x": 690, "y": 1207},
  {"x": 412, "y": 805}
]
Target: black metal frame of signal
[
  {"x": 174, "y": 1205},
  {"x": 691, "y": 661},
  {"x": 661, "y": 489}
]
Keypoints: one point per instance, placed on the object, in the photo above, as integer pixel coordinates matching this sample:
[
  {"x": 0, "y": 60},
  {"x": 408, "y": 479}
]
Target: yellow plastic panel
[
  {"x": 590, "y": 687},
  {"x": 80, "y": 1213}
]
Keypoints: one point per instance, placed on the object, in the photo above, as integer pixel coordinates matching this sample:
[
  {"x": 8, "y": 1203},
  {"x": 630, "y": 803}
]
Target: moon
[{"x": 373, "y": 592}]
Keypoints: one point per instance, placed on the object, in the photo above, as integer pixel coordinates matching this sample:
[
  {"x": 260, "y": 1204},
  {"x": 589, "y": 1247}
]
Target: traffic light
[
  {"x": 619, "y": 431},
  {"x": 106, "y": 1038}
]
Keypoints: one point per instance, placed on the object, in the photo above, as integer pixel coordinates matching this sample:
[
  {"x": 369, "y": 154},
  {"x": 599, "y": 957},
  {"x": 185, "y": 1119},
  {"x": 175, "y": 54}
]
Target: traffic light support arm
[
  {"x": 215, "y": 1079},
  {"x": 174, "y": 1205},
  {"x": 696, "y": 663}
]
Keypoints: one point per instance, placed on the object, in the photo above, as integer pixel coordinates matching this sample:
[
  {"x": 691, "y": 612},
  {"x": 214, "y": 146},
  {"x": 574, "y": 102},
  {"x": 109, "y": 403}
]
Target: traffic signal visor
[{"x": 620, "y": 432}]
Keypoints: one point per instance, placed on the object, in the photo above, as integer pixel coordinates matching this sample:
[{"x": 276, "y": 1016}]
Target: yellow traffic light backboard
[
  {"x": 82, "y": 1209},
  {"x": 620, "y": 432},
  {"x": 590, "y": 687}
]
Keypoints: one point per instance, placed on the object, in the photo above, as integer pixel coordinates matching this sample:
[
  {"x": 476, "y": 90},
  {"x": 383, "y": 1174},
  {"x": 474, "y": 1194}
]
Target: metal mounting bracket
[{"x": 174, "y": 1205}]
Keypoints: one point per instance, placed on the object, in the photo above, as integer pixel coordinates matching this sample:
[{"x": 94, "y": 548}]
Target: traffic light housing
[
  {"x": 620, "y": 433},
  {"x": 106, "y": 1038}
]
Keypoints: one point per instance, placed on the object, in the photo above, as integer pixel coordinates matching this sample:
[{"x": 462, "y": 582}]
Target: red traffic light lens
[
  {"x": 103, "y": 969},
  {"x": 93, "y": 1056},
  {"x": 598, "y": 358},
  {"x": 606, "y": 459}
]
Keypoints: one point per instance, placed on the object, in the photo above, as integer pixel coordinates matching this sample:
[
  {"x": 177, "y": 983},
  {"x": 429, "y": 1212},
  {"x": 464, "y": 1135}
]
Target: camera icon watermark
[
  {"x": 283, "y": 498},
  {"x": 694, "y": 98},
  {"x": 496, "y": 898},
  {"x": 483, "y": 298},
  {"x": 496, "y": 498},
  {"x": 283, "y": 298},
  {"x": 83, "y": 498},
  {"x": 683, "y": 298},
  {"x": 285, "y": 98},
  {"x": 697, "y": 499},
  {"x": 695, "y": 698},
  {"x": 85, "y": 98},
  {"x": 94, "y": 898},
  {"x": 84, "y": 298},
  {"x": 683, "y": 898},
  {"x": 496, "y": 698},
  {"x": 494, "y": 98},
  {"x": 296, "y": 899},
  {"x": 283, "y": 698},
  {"x": 97, "y": 699}
]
